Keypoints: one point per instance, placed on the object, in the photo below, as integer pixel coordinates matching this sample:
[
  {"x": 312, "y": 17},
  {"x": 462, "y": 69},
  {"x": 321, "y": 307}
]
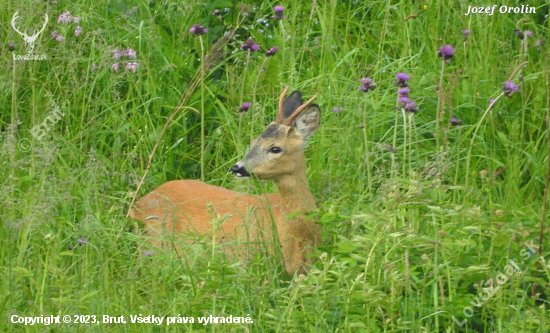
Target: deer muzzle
[{"x": 239, "y": 170}]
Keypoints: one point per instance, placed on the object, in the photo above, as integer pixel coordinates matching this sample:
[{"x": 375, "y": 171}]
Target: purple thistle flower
[
  {"x": 271, "y": 51},
  {"x": 82, "y": 241},
  {"x": 409, "y": 107},
  {"x": 11, "y": 47},
  {"x": 59, "y": 38},
  {"x": 367, "y": 84},
  {"x": 404, "y": 100},
  {"x": 529, "y": 33},
  {"x": 131, "y": 54},
  {"x": 71, "y": 248},
  {"x": 115, "y": 66},
  {"x": 198, "y": 30},
  {"x": 509, "y": 87},
  {"x": 402, "y": 76},
  {"x": 245, "y": 107},
  {"x": 466, "y": 32},
  {"x": 76, "y": 19},
  {"x": 455, "y": 122},
  {"x": 279, "y": 12},
  {"x": 78, "y": 31},
  {"x": 54, "y": 34},
  {"x": 519, "y": 33},
  {"x": 491, "y": 102},
  {"x": 446, "y": 52},
  {"x": 216, "y": 12},
  {"x": 338, "y": 109},
  {"x": 148, "y": 253},
  {"x": 404, "y": 92},
  {"x": 402, "y": 79},
  {"x": 250, "y": 45}
]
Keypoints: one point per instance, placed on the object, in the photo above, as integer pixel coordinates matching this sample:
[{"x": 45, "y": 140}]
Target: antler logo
[{"x": 29, "y": 40}]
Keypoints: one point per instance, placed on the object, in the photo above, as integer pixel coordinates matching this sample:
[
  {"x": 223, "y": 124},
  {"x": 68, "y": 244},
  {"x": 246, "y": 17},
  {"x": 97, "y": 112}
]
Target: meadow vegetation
[{"x": 423, "y": 202}]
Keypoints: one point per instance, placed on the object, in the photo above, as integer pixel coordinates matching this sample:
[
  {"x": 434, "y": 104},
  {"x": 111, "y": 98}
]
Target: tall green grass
[{"x": 409, "y": 237}]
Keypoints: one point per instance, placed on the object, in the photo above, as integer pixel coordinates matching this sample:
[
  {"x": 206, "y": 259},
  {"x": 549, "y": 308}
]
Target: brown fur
[{"x": 181, "y": 206}]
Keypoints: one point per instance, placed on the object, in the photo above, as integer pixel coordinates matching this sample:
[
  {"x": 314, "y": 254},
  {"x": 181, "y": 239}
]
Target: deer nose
[{"x": 239, "y": 170}]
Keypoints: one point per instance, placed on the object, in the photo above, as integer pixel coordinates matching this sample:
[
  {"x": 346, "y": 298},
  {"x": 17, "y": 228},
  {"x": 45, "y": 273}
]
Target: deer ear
[
  {"x": 308, "y": 121},
  {"x": 293, "y": 102}
]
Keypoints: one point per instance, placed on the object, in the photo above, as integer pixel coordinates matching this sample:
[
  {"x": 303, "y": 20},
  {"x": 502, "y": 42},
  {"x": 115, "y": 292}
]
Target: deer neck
[
  {"x": 297, "y": 234},
  {"x": 294, "y": 192}
]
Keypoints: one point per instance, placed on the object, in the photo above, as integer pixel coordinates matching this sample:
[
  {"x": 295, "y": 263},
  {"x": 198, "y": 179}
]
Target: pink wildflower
[
  {"x": 132, "y": 66},
  {"x": 64, "y": 18}
]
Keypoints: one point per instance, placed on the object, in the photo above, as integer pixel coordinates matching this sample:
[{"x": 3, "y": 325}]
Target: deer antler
[
  {"x": 299, "y": 110},
  {"x": 279, "y": 118},
  {"x": 15, "y": 17},
  {"x": 43, "y": 27}
]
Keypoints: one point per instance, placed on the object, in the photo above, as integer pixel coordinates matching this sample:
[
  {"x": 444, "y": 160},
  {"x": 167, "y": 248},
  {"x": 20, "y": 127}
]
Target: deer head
[
  {"x": 279, "y": 151},
  {"x": 29, "y": 40}
]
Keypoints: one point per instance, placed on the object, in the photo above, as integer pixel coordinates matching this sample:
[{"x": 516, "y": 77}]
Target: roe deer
[{"x": 277, "y": 154}]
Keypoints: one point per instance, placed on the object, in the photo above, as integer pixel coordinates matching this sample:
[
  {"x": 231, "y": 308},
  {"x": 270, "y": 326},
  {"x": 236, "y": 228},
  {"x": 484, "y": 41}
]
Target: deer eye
[{"x": 275, "y": 150}]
